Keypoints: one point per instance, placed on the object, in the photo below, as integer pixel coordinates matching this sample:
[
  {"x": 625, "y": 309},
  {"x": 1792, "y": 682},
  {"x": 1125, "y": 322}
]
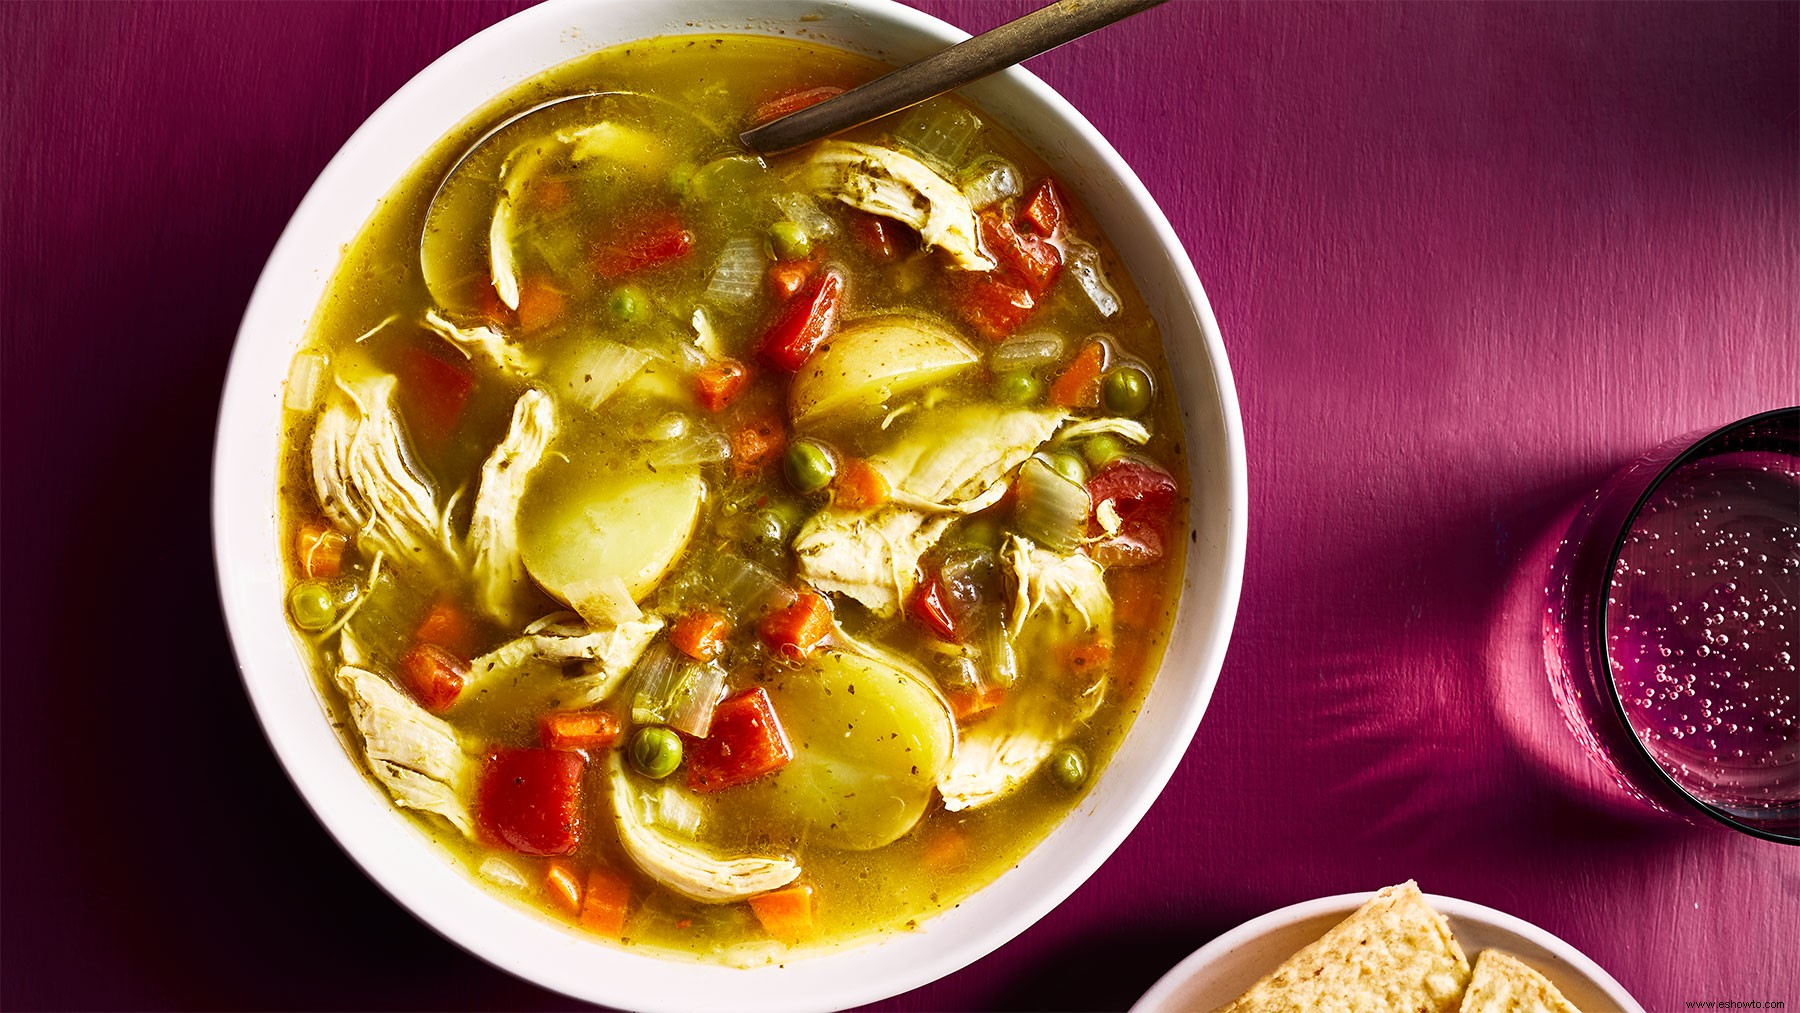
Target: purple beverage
[{"x": 1672, "y": 620}]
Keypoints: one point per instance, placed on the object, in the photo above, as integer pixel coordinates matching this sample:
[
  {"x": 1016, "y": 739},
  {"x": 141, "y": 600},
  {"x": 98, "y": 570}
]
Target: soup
[{"x": 726, "y": 555}]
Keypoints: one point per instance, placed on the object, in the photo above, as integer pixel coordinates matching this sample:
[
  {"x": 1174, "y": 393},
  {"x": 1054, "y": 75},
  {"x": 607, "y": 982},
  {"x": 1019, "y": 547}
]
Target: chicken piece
[
  {"x": 418, "y": 758},
  {"x": 872, "y": 557},
  {"x": 483, "y": 342},
  {"x": 957, "y": 459},
  {"x": 683, "y": 864},
  {"x": 1125, "y": 429},
  {"x": 562, "y": 637},
  {"x": 366, "y": 482},
  {"x": 886, "y": 182},
  {"x": 1061, "y": 600},
  {"x": 501, "y": 583}
]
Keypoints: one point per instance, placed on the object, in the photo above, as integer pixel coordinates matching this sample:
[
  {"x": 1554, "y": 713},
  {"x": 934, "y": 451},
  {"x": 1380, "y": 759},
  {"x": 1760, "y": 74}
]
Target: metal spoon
[{"x": 969, "y": 60}]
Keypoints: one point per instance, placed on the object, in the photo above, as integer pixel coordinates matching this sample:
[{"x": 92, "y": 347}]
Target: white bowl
[
  {"x": 1223, "y": 969},
  {"x": 394, "y": 851}
]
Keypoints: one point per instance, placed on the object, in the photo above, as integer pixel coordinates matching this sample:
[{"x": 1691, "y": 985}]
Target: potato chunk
[
  {"x": 871, "y": 361},
  {"x": 589, "y": 517}
]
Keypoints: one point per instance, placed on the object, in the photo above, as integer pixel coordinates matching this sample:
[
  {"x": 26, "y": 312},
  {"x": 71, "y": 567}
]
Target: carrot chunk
[
  {"x": 946, "y": 849},
  {"x": 786, "y": 914},
  {"x": 578, "y": 729},
  {"x": 717, "y": 385},
  {"x": 794, "y": 631},
  {"x": 1078, "y": 385},
  {"x": 539, "y": 305},
  {"x": 780, "y": 105},
  {"x": 606, "y": 903},
  {"x": 859, "y": 486},
  {"x": 435, "y": 676},
  {"x": 564, "y": 887},
  {"x": 788, "y": 276},
  {"x": 759, "y": 441},
  {"x": 1043, "y": 210},
  {"x": 448, "y": 625},
  {"x": 433, "y": 393},
  {"x": 971, "y": 703},
  {"x": 700, "y": 635},
  {"x": 321, "y": 550},
  {"x": 746, "y": 742}
]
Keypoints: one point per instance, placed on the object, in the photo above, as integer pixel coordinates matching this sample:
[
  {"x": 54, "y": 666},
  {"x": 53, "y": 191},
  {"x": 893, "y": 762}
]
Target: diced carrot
[
  {"x": 991, "y": 302},
  {"x": 758, "y": 442},
  {"x": 884, "y": 238},
  {"x": 971, "y": 703},
  {"x": 805, "y": 322},
  {"x": 794, "y": 631},
  {"x": 488, "y": 302},
  {"x": 787, "y": 102},
  {"x": 1043, "y": 210},
  {"x": 435, "y": 676},
  {"x": 433, "y": 392},
  {"x": 1088, "y": 658},
  {"x": 551, "y": 194},
  {"x": 578, "y": 729},
  {"x": 859, "y": 486},
  {"x": 700, "y": 635},
  {"x": 1031, "y": 261},
  {"x": 564, "y": 887},
  {"x": 717, "y": 385},
  {"x": 946, "y": 849},
  {"x": 1078, "y": 385},
  {"x": 539, "y": 305},
  {"x": 931, "y": 607},
  {"x": 650, "y": 242},
  {"x": 746, "y": 741},
  {"x": 786, "y": 914},
  {"x": 448, "y": 625},
  {"x": 788, "y": 276},
  {"x": 321, "y": 550},
  {"x": 606, "y": 903}
]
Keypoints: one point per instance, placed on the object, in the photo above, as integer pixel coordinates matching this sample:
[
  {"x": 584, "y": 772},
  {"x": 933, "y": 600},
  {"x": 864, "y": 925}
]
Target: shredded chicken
[
  {"x": 486, "y": 342},
  {"x": 886, "y": 182},
  {"x": 872, "y": 557},
  {"x": 1061, "y": 586},
  {"x": 958, "y": 459},
  {"x": 562, "y": 637},
  {"x": 685, "y": 865},
  {"x": 366, "y": 481},
  {"x": 418, "y": 758},
  {"x": 501, "y": 583},
  {"x": 1125, "y": 429}
]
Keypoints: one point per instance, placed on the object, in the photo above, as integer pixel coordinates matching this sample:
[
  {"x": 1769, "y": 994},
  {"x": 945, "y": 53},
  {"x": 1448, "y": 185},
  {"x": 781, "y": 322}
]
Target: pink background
[{"x": 1467, "y": 260}]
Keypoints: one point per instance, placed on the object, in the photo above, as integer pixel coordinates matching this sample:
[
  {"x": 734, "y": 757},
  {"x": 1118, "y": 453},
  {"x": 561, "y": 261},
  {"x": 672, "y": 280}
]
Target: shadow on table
[{"x": 1105, "y": 970}]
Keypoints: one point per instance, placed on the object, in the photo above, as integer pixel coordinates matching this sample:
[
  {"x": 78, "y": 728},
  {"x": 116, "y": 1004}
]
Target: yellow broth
[{"x": 368, "y": 322}]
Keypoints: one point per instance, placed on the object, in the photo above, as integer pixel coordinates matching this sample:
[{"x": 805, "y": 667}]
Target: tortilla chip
[
  {"x": 1505, "y": 984},
  {"x": 1394, "y": 953}
]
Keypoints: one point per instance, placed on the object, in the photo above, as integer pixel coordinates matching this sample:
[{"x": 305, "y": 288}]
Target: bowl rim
[
  {"x": 1170, "y": 983},
  {"x": 492, "y": 929}
]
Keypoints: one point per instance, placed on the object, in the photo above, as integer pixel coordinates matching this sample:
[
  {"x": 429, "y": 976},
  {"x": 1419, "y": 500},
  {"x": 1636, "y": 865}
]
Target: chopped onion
[
  {"x": 501, "y": 872},
  {"x": 604, "y": 602},
  {"x": 691, "y": 710},
  {"x": 991, "y": 181},
  {"x": 1083, "y": 261},
  {"x": 805, "y": 212},
  {"x": 671, "y": 808},
  {"x": 1052, "y": 510},
  {"x": 597, "y": 371},
  {"x": 939, "y": 131},
  {"x": 306, "y": 378},
  {"x": 746, "y": 586},
  {"x": 999, "y": 664},
  {"x": 698, "y": 445},
  {"x": 1028, "y": 351},
  {"x": 658, "y": 677},
  {"x": 739, "y": 274}
]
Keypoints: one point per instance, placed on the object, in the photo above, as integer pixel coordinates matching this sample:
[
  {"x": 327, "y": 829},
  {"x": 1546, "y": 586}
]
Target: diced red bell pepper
[
  {"x": 884, "y": 238},
  {"x": 433, "y": 393},
  {"x": 529, "y": 800},
  {"x": 991, "y": 302},
  {"x": 717, "y": 385},
  {"x": 746, "y": 742},
  {"x": 1034, "y": 261},
  {"x": 932, "y": 607},
  {"x": 806, "y": 321},
  {"x": 651, "y": 242},
  {"x": 435, "y": 676},
  {"x": 1042, "y": 211},
  {"x": 794, "y": 631},
  {"x": 1144, "y": 497},
  {"x": 787, "y": 102}
]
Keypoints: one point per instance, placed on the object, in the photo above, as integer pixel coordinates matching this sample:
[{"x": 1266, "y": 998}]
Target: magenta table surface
[{"x": 1467, "y": 259}]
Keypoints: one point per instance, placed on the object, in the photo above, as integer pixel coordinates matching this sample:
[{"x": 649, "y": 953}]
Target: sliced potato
[
  {"x": 871, "y": 361},
  {"x": 869, "y": 741},
  {"x": 588, "y": 518}
]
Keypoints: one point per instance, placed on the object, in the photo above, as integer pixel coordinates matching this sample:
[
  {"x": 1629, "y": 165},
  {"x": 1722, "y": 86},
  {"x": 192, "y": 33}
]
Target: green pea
[
  {"x": 1067, "y": 464},
  {"x": 312, "y": 604},
  {"x": 789, "y": 240},
  {"x": 777, "y": 521},
  {"x": 1102, "y": 449},
  {"x": 809, "y": 467},
  {"x": 628, "y": 303},
  {"x": 1069, "y": 767},
  {"x": 1017, "y": 387},
  {"x": 655, "y": 751},
  {"x": 1126, "y": 390}
]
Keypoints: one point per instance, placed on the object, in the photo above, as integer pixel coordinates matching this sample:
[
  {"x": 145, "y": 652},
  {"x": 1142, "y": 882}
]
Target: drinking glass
[{"x": 1672, "y": 625}]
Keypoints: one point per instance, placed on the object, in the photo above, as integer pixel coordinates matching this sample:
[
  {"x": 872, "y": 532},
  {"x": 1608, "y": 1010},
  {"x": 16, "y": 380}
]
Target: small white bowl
[
  {"x": 393, "y": 850},
  {"x": 1223, "y": 969}
]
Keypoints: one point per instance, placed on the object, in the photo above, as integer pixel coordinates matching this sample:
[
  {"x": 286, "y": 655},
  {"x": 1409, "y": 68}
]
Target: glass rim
[{"x": 1599, "y": 629}]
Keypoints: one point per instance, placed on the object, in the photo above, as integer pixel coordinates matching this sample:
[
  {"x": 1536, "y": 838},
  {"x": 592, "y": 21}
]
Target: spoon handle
[{"x": 970, "y": 60}]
